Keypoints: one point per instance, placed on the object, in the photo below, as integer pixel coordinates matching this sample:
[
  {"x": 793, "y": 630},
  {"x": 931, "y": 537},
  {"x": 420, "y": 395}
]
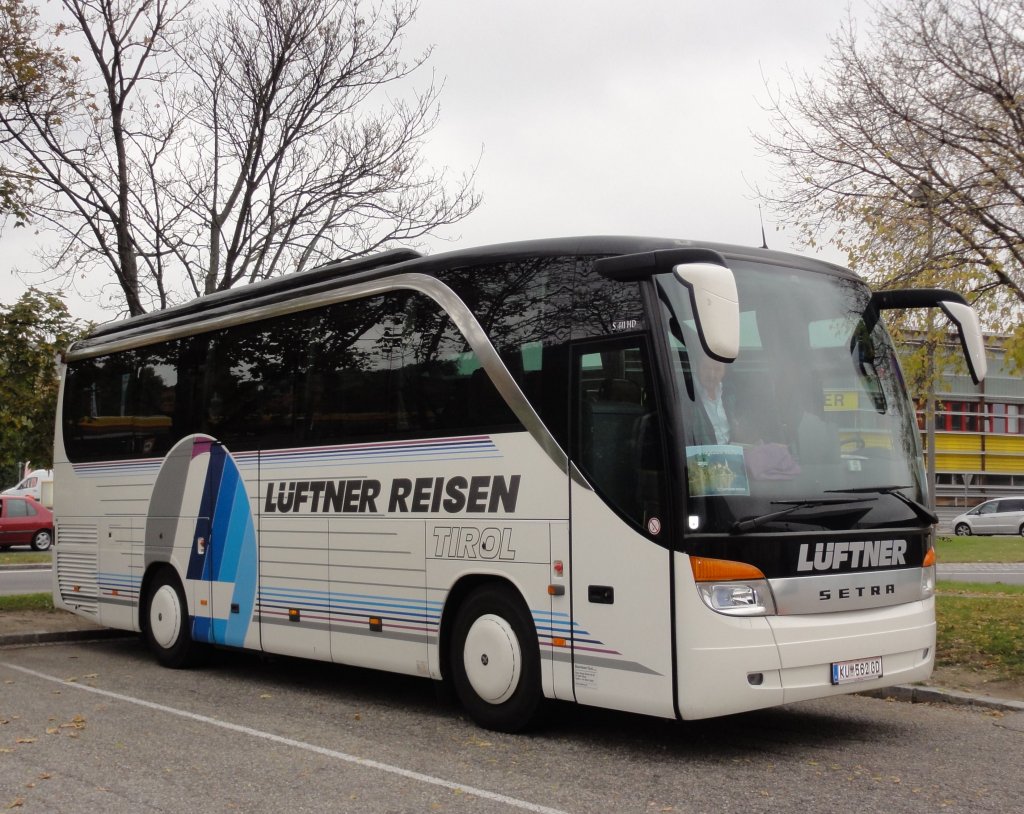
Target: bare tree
[
  {"x": 238, "y": 142},
  {"x": 83, "y": 150},
  {"x": 301, "y": 157},
  {"x": 908, "y": 148}
]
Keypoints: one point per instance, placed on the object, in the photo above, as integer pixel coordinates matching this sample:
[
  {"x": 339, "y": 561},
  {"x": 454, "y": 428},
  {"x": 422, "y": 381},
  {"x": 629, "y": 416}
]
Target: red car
[{"x": 25, "y": 522}]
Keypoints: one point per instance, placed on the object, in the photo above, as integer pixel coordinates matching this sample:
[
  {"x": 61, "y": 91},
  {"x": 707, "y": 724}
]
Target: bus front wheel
[
  {"x": 495, "y": 660},
  {"x": 167, "y": 622}
]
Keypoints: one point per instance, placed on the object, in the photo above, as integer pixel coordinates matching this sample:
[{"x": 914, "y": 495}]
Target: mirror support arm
[{"x": 954, "y": 305}]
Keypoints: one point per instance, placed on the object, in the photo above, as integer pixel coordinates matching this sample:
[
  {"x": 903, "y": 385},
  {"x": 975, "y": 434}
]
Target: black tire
[
  {"x": 494, "y": 635},
  {"x": 962, "y": 530},
  {"x": 1021, "y": 530},
  {"x": 42, "y": 540},
  {"x": 166, "y": 623}
]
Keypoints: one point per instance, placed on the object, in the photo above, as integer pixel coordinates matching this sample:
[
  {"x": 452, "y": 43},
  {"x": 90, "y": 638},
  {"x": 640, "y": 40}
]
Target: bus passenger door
[{"x": 621, "y": 576}]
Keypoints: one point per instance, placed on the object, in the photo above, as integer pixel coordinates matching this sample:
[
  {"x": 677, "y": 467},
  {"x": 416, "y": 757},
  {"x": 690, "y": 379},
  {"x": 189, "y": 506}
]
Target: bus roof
[{"x": 395, "y": 261}]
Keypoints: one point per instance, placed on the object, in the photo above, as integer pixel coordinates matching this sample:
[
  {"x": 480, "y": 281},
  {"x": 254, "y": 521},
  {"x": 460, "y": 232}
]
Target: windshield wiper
[
  {"x": 922, "y": 512},
  {"x": 741, "y": 526}
]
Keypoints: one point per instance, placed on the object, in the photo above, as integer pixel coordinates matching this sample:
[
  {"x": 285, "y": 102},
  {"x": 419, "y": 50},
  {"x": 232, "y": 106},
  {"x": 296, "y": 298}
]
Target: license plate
[{"x": 846, "y": 672}]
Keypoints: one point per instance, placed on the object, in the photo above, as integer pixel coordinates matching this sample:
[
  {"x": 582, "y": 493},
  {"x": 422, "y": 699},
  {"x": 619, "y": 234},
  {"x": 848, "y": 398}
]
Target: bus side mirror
[
  {"x": 953, "y": 306},
  {"x": 971, "y": 340},
  {"x": 716, "y": 307}
]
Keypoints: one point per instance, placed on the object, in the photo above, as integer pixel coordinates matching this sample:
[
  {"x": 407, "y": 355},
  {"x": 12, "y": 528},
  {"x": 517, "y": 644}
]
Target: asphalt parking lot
[{"x": 93, "y": 725}]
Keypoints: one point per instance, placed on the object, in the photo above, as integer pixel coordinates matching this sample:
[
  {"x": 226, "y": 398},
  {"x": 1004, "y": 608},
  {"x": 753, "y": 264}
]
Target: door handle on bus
[{"x": 601, "y": 594}]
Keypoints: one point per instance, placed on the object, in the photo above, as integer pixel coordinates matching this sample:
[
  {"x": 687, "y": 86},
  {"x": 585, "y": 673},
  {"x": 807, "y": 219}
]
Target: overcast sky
[
  {"x": 600, "y": 116},
  {"x": 603, "y": 116}
]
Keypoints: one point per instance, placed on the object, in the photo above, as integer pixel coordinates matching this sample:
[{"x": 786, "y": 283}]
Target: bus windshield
[{"x": 810, "y": 427}]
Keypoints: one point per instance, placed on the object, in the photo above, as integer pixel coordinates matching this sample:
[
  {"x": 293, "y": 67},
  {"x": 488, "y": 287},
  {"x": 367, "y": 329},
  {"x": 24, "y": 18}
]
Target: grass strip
[
  {"x": 981, "y": 628},
  {"x": 980, "y": 549},
  {"x": 25, "y": 557},
  {"x": 27, "y": 602}
]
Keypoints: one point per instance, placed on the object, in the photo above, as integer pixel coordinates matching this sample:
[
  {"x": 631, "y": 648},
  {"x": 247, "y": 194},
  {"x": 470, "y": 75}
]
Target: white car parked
[
  {"x": 35, "y": 484},
  {"x": 1004, "y": 515}
]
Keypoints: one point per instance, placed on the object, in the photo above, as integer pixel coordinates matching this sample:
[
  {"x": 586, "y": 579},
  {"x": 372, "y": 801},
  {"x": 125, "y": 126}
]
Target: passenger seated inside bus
[{"x": 780, "y": 423}]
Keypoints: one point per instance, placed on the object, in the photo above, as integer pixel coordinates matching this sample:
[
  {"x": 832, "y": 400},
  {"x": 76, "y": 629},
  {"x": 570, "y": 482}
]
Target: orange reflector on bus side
[
  {"x": 557, "y": 642},
  {"x": 706, "y": 569},
  {"x": 929, "y": 558}
]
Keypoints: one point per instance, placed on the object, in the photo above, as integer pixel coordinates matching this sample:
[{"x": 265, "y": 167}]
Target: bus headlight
[
  {"x": 738, "y": 598},
  {"x": 927, "y": 582},
  {"x": 928, "y": 574},
  {"x": 734, "y": 588}
]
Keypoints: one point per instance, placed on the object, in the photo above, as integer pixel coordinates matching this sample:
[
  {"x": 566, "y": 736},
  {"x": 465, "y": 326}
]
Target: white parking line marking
[{"x": 309, "y": 747}]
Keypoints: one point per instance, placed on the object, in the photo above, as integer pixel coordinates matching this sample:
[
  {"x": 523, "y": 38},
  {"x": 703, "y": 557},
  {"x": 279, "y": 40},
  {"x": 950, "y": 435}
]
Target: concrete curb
[
  {"x": 940, "y": 695},
  {"x": 57, "y": 636},
  {"x": 29, "y": 566}
]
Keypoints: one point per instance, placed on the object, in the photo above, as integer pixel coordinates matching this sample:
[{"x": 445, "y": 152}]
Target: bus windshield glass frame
[{"x": 813, "y": 410}]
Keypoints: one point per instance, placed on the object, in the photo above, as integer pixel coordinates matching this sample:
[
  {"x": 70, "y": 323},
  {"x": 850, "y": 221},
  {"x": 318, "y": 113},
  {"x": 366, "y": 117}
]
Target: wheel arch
[{"x": 457, "y": 595}]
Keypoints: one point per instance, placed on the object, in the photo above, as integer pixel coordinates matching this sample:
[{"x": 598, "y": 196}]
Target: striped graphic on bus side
[
  {"x": 433, "y": 449},
  {"x": 342, "y": 612}
]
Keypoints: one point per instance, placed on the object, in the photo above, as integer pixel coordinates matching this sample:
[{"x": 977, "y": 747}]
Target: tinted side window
[
  {"x": 162, "y": 413},
  {"x": 395, "y": 366},
  {"x": 351, "y": 347},
  {"x": 441, "y": 385},
  {"x": 97, "y": 417},
  {"x": 392, "y": 366},
  {"x": 605, "y": 307},
  {"x": 127, "y": 405},
  {"x": 525, "y": 308},
  {"x": 253, "y": 395},
  {"x": 617, "y": 442}
]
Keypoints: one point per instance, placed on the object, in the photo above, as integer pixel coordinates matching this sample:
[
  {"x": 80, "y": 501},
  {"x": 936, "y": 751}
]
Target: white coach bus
[{"x": 671, "y": 478}]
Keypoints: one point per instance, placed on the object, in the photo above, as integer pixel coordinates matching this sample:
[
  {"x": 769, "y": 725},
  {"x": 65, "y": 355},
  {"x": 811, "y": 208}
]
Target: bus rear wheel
[
  {"x": 495, "y": 660},
  {"x": 167, "y": 622}
]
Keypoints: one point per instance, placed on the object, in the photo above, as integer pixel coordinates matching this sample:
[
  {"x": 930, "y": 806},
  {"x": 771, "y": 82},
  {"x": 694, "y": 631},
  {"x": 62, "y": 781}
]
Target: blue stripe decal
[
  {"x": 200, "y": 566},
  {"x": 238, "y": 560}
]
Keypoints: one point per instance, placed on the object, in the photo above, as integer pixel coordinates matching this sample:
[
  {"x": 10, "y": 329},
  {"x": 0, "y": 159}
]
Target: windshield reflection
[{"x": 813, "y": 405}]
